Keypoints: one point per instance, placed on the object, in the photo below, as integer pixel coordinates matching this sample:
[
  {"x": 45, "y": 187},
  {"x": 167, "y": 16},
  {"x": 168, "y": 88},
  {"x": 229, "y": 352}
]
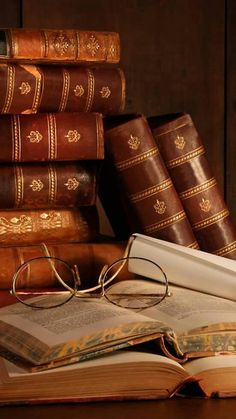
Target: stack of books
[{"x": 52, "y": 102}]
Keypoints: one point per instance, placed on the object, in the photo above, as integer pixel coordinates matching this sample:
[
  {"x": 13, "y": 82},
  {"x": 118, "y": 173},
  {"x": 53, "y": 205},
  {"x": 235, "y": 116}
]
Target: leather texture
[
  {"x": 48, "y": 185},
  {"x": 28, "y": 227},
  {"x": 185, "y": 158},
  {"x": 146, "y": 183},
  {"x": 61, "y": 45},
  {"x": 51, "y": 137},
  {"x": 53, "y": 88}
]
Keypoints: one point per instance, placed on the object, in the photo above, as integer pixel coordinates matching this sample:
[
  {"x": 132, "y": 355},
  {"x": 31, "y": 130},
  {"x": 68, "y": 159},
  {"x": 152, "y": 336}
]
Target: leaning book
[{"x": 187, "y": 340}]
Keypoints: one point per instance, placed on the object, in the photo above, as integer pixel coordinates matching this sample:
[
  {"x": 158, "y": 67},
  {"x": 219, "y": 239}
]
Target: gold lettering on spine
[
  {"x": 19, "y": 185},
  {"x": 10, "y": 88},
  {"x": 65, "y": 90},
  {"x": 52, "y": 187},
  {"x": 16, "y": 138},
  {"x": 52, "y": 137},
  {"x": 91, "y": 84},
  {"x": 133, "y": 161}
]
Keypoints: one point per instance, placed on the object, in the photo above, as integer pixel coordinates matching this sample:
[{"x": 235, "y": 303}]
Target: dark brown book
[
  {"x": 31, "y": 89},
  {"x": 51, "y": 136},
  {"x": 185, "y": 158},
  {"x": 28, "y": 227},
  {"x": 153, "y": 204},
  {"x": 48, "y": 185},
  {"x": 89, "y": 258},
  {"x": 59, "y": 45}
]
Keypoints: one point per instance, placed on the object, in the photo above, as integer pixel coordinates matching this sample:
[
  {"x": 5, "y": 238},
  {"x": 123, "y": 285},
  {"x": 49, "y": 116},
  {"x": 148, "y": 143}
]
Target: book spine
[
  {"x": 51, "y": 137},
  {"x": 146, "y": 183},
  {"x": 59, "y": 45},
  {"x": 185, "y": 158},
  {"x": 47, "y": 185},
  {"x": 89, "y": 258},
  {"x": 28, "y": 227},
  {"x": 30, "y": 89}
]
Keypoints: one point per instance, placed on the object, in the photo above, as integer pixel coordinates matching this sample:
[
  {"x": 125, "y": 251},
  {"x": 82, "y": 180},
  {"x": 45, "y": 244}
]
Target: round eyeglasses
[{"x": 119, "y": 283}]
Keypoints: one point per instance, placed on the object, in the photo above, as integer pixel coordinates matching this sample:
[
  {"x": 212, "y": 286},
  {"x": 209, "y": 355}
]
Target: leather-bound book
[
  {"x": 145, "y": 182},
  {"x": 48, "y": 185},
  {"x": 28, "y": 227},
  {"x": 185, "y": 158},
  {"x": 89, "y": 257},
  {"x": 31, "y": 89},
  {"x": 59, "y": 45},
  {"x": 51, "y": 136}
]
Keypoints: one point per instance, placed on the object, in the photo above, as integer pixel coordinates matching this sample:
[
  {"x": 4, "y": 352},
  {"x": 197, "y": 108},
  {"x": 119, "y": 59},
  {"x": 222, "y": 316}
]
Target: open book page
[{"x": 75, "y": 327}]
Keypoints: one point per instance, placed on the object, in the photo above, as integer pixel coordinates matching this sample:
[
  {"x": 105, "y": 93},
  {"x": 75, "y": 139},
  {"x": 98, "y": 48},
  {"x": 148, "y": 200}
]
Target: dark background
[{"x": 177, "y": 55}]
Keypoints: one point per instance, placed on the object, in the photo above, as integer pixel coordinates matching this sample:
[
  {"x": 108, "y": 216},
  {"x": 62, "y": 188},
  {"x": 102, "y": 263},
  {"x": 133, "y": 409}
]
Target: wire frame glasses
[{"x": 134, "y": 291}]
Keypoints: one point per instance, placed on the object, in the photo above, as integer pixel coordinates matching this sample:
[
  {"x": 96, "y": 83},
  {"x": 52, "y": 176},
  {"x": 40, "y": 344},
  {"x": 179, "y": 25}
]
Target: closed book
[
  {"x": 48, "y": 185},
  {"x": 59, "y": 45},
  {"x": 89, "y": 258},
  {"x": 185, "y": 157},
  {"x": 28, "y": 227},
  {"x": 51, "y": 136},
  {"x": 31, "y": 89},
  {"x": 145, "y": 182}
]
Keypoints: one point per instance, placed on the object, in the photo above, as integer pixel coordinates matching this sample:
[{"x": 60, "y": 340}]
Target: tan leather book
[
  {"x": 28, "y": 227},
  {"x": 89, "y": 258},
  {"x": 51, "y": 88},
  {"x": 185, "y": 158},
  {"x": 48, "y": 185},
  {"x": 51, "y": 136},
  {"x": 153, "y": 203},
  {"x": 59, "y": 45}
]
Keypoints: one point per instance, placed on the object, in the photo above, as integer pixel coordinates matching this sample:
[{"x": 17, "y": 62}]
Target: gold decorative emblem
[
  {"x": 35, "y": 136},
  {"x": 72, "y": 184},
  {"x": 73, "y": 136},
  {"x": 93, "y": 45},
  {"x": 205, "y": 205},
  {"x": 16, "y": 225},
  {"x": 50, "y": 220},
  {"x": 36, "y": 185},
  {"x": 134, "y": 142},
  {"x": 25, "y": 88},
  {"x": 112, "y": 49},
  {"x": 180, "y": 142},
  {"x": 105, "y": 92},
  {"x": 159, "y": 206},
  {"x": 79, "y": 90},
  {"x": 62, "y": 43}
]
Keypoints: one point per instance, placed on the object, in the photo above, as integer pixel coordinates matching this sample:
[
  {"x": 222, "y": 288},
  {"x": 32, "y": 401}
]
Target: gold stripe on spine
[
  {"x": 194, "y": 245},
  {"x": 19, "y": 185},
  {"x": 123, "y": 89},
  {"x": 44, "y": 44},
  {"x": 10, "y": 88},
  {"x": 153, "y": 190},
  {"x": 226, "y": 249},
  {"x": 77, "y": 45},
  {"x": 197, "y": 189},
  {"x": 37, "y": 91},
  {"x": 16, "y": 138},
  {"x": 52, "y": 184},
  {"x": 211, "y": 220},
  {"x": 185, "y": 158},
  {"x": 165, "y": 223},
  {"x": 133, "y": 161},
  {"x": 13, "y": 45},
  {"x": 65, "y": 90},
  {"x": 91, "y": 84},
  {"x": 52, "y": 137},
  {"x": 172, "y": 129}
]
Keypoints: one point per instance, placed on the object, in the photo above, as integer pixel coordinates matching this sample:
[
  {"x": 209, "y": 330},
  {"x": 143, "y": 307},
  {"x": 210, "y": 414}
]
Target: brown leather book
[
  {"x": 89, "y": 257},
  {"x": 31, "y": 89},
  {"x": 185, "y": 158},
  {"x": 144, "y": 180},
  {"x": 51, "y": 136},
  {"x": 28, "y": 227},
  {"x": 48, "y": 185},
  {"x": 59, "y": 45}
]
